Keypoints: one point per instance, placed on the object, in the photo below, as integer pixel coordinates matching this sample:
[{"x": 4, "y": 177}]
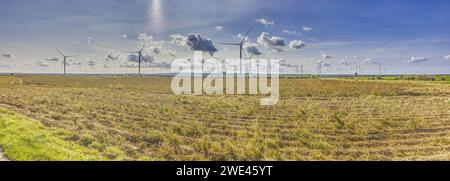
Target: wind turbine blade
[
  {"x": 246, "y": 34},
  {"x": 142, "y": 48},
  {"x": 59, "y": 52},
  {"x": 237, "y": 44}
]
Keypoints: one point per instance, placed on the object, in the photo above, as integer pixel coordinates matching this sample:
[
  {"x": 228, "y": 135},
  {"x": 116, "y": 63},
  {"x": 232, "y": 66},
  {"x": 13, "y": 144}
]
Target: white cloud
[
  {"x": 144, "y": 58},
  {"x": 42, "y": 63},
  {"x": 156, "y": 50},
  {"x": 129, "y": 65},
  {"x": 179, "y": 40},
  {"x": 148, "y": 41},
  {"x": 161, "y": 64},
  {"x": 171, "y": 53},
  {"x": 271, "y": 42},
  {"x": 75, "y": 63},
  {"x": 218, "y": 28},
  {"x": 344, "y": 62},
  {"x": 370, "y": 61},
  {"x": 240, "y": 37},
  {"x": 264, "y": 21},
  {"x": 8, "y": 55},
  {"x": 52, "y": 59},
  {"x": 307, "y": 29},
  {"x": 91, "y": 63},
  {"x": 323, "y": 63},
  {"x": 124, "y": 36},
  {"x": 447, "y": 57},
  {"x": 296, "y": 44},
  {"x": 144, "y": 37},
  {"x": 285, "y": 63},
  {"x": 325, "y": 56},
  {"x": 417, "y": 59},
  {"x": 251, "y": 48},
  {"x": 291, "y": 32},
  {"x": 112, "y": 56}
]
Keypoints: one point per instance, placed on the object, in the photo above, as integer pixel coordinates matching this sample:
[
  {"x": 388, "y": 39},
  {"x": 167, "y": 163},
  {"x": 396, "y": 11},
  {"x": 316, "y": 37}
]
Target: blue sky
[{"x": 403, "y": 36}]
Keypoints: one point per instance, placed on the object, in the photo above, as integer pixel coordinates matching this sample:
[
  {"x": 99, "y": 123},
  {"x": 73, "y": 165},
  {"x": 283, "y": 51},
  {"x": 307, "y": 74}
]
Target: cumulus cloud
[
  {"x": 285, "y": 63},
  {"x": 124, "y": 36},
  {"x": 417, "y": 59},
  {"x": 370, "y": 61},
  {"x": 218, "y": 28},
  {"x": 296, "y": 45},
  {"x": 251, "y": 48},
  {"x": 240, "y": 37},
  {"x": 171, "y": 53},
  {"x": 144, "y": 58},
  {"x": 264, "y": 21},
  {"x": 156, "y": 50},
  {"x": 42, "y": 63},
  {"x": 307, "y": 29},
  {"x": 344, "y": 62},
  {"x": 179, "y": 40},
  {"x": 91, "y": 63},
  {"x": 447, "y": 57},
  {"x": 75, "y": 63},
  {"x": 52, "y": 59},
  {"x": 325, "y": 56},
  {"x": 322, "y": 63},
  {"x": 145, "y": 38},
  {"x": 112, "y": 56},
  {"x": 200, "y": 43},
  {"x": 8, "y": 55},
  {"x": 161, "y": 64},
  {"x": 129, "y": 65},
  {"x": 271, "y": 42},
  {"x": 147, "y": 41}
]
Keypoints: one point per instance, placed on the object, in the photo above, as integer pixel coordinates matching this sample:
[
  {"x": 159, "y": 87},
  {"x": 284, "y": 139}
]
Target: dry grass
[{"x": 314, "y": 120}]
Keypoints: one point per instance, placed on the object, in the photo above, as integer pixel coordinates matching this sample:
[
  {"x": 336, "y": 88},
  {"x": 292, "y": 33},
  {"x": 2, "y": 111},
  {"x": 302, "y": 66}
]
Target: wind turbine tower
[
  {"x": 65, "y": 59},
  {"x": 139, "y": 58}
]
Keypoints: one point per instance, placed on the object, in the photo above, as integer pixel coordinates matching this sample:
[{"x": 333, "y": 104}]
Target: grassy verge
[{"x": 25, "y": 139}]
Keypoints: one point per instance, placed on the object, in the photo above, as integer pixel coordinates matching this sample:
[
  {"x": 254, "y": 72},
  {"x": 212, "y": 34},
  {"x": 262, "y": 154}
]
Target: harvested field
[{"x": 138, "y": 118}]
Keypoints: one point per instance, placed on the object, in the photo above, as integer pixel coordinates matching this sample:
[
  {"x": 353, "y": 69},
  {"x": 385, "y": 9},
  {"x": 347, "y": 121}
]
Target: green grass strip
[{"x": 25, "y": 139}]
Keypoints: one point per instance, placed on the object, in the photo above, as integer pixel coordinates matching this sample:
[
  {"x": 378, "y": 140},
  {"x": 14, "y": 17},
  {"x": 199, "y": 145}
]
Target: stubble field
[{"x": 138, "y": 118}]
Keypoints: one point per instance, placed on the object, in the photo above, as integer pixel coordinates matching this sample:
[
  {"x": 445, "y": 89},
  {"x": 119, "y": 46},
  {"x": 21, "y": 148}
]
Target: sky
[{"x": 400, "y": 36}]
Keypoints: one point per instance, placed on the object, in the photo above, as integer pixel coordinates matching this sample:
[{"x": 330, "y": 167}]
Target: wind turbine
[
  {"x": 240, "y": 44},
  {"x": 64, "y": 59},
  {"x": 139, "y": 57},
  {"x": 301, "y": 69}
]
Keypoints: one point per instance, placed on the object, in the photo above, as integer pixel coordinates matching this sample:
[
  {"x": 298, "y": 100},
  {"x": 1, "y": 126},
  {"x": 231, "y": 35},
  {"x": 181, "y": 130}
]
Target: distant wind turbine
[
  {"x": 139, "y": 57},
  {"x": 240, "y": 48},
  {"x": 65, "y": 59},
  {"x": 301, "y": 69}
]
